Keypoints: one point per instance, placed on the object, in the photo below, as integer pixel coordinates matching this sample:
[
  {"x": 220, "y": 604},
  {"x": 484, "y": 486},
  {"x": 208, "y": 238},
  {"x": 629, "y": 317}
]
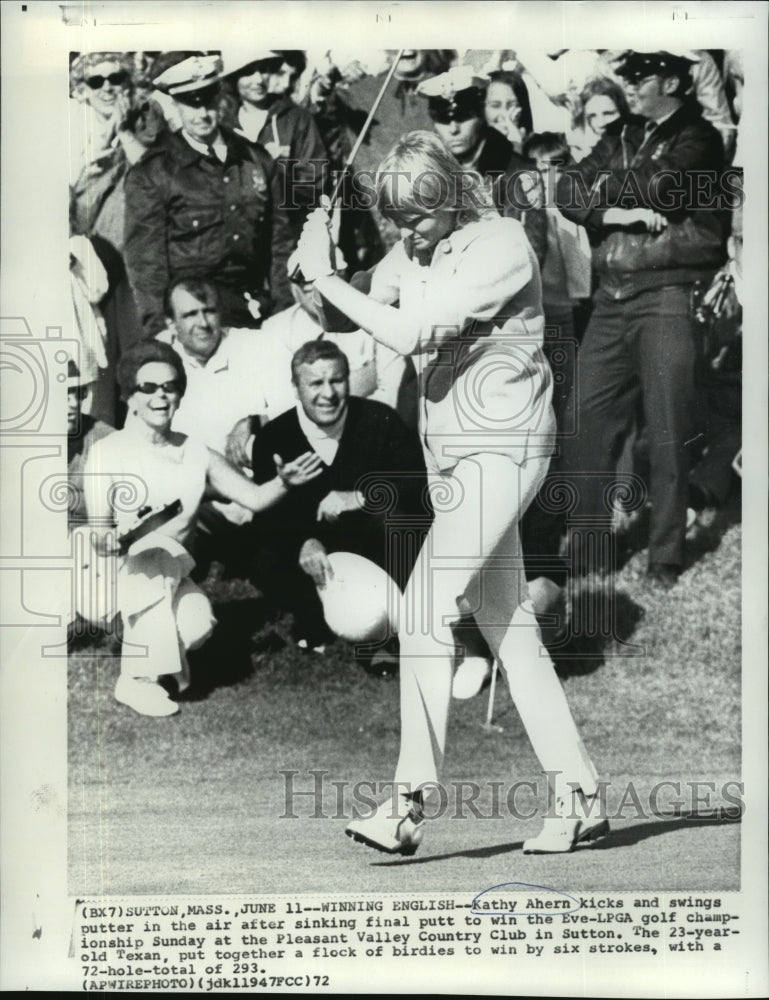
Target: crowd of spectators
[{"x": 191, "y": 176}]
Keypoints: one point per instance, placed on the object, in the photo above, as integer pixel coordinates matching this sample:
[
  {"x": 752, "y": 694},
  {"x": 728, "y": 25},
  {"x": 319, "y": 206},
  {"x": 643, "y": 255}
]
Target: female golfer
[{"x": 461, "y": 292}]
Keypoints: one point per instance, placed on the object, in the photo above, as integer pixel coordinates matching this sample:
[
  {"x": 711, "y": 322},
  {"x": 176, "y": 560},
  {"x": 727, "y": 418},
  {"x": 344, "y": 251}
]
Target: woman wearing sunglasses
[
  {"x": 461, "y": 292},
  {"x": 107, "y": 135},
  {"x": 101, "y": 143},
  {"x": 149, "y": 471}
]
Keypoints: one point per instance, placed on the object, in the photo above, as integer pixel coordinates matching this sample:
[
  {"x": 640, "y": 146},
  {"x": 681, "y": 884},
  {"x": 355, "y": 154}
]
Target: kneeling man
[{"x": 371, "y": 498}]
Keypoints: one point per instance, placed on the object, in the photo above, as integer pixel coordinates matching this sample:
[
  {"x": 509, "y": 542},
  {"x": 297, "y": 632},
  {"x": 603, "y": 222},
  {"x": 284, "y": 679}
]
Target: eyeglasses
[
  {"x": 150, "y": 388},
  {"x": 97, "y": 82}
]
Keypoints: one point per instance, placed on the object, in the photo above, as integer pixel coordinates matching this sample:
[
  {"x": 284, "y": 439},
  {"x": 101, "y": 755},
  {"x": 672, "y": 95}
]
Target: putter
[
  {"x": 296, "y": 274},
  {"x": 488, "y": 726},
  {"x": 152, "y": 520}
]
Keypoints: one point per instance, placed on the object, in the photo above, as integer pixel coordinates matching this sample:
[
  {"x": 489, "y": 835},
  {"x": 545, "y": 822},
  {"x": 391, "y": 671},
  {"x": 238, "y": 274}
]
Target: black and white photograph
[{"x": 401, "y": 604}]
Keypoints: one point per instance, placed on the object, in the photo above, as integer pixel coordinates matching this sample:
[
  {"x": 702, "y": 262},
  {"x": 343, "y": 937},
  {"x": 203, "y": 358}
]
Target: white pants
[
  {"x": 164, "y": 613},
  {"x": 473, "y": 553}
]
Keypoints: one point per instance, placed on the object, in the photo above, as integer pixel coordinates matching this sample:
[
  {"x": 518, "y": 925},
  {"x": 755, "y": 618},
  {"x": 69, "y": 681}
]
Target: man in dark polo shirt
[{"x": 369, "y": 500}]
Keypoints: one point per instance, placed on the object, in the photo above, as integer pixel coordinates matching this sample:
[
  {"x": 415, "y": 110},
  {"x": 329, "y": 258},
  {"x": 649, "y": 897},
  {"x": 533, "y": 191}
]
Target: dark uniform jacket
[
  {"x": 301, "y": 157},
  {"x": 377, "y": 455},
  {"x": 188, "y": 215},
  {"x": 675, "y": 169}
]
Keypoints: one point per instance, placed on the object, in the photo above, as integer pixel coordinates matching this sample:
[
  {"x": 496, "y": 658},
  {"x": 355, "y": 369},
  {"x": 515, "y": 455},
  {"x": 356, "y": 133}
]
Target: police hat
[
  {"x": 76, "y": 380},
  {"x": 455, "y": 95},
  {"x": 634, "y": 66},
  {"x": 198, "y": 73}
]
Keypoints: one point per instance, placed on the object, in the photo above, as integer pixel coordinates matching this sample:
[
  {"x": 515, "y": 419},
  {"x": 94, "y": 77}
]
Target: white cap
[
  {"x": 447, "y": 85},
  {"x": 360, "y": 602},
  {"x": 189, "y": 75},
  {"x": 238, "y": 57}
]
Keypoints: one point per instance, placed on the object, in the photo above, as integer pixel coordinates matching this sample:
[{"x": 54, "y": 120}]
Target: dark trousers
[
  {"x": 714, "y": 474},
  {"x": 647, "y": 345},
  {"x": 219, "y": 540},
  {"x": 288, "y": 588},
  {"x": 543, "y": 523}
]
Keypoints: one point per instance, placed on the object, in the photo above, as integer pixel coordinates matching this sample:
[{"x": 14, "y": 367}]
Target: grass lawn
[{"x": 194, "y": 803}]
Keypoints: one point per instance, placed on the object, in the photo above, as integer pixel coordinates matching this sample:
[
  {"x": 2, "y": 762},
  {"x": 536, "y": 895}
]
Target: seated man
[
  {"x": 224, "y": 384},
  {"x": 376, "y": 372},
  {"x": 369, "y": 456}
]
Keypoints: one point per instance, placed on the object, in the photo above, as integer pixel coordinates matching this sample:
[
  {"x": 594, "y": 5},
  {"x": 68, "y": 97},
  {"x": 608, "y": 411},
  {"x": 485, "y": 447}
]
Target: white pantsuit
[
  {"x": 473, "y": 320},
  {"x": 164, "y": 613},
  {"x": 473, "y": 550}
]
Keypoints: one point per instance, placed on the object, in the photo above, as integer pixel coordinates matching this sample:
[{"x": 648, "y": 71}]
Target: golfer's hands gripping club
[{"x": 317, "y": 254}]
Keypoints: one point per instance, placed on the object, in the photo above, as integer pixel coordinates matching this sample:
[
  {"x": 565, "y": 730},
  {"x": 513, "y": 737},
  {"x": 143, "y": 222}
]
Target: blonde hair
[{"x": 419, "y": 176}]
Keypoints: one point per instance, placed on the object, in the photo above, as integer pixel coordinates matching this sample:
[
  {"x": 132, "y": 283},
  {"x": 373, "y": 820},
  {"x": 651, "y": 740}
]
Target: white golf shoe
[
  {"x": 572, "y": 825},
  {"x": 144, "y": 696},
  {"x": 470, "y": 676},
  {"x": 397, "y": 827}
]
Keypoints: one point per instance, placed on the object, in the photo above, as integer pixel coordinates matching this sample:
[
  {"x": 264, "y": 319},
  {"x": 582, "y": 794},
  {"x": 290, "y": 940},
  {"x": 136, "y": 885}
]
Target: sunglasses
[
  {"x": 97, "y": 82},
  {"x": 150, "y": 388},
  {"x": 446, "y": 117},
  {"x": 636, "y": 79}
]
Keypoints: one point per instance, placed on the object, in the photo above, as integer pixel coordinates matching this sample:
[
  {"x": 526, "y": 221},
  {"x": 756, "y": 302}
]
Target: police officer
[
  {"x": 655, "y": 233},
  {"x": 456, "y": 108},
  {"x": 204, "y": 202}
]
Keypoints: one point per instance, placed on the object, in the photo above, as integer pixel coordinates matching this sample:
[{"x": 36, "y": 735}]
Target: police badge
[{"x": 258, "y": 181}]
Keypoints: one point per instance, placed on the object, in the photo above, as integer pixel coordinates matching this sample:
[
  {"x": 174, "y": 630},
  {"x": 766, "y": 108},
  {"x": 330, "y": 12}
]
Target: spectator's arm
[
  {"x": 233, "y": 485},
  {"x": 313, "y": 559},
  {"x": 711, "y": 95},
  {"x": 587, "y": 188},
  {"x": 235, "y": 446},
  {"x": 97, "y": 490}
]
